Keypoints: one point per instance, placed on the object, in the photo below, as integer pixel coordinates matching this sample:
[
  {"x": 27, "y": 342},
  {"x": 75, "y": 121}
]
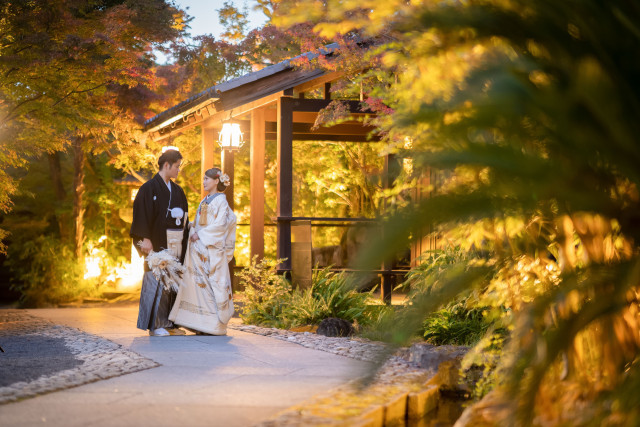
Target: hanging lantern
[{"x": 230, "y": 137}]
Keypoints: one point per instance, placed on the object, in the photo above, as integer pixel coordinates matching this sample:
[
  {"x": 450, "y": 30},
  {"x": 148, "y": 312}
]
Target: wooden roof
[{"x": 274, "y": 79}]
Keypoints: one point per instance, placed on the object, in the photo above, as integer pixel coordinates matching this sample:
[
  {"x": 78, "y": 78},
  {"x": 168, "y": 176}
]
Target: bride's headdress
[{"x": 224, "y": 178}]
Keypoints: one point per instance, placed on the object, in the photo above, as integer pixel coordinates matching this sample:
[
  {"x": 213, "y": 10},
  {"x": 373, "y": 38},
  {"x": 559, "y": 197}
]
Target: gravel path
[{"x": 41, "y": 357}]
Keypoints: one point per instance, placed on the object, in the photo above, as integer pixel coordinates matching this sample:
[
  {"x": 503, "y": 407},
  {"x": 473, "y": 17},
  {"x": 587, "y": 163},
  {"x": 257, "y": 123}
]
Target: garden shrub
[
  {"x": 266, "y": 293},
  {"x": 269, "y": 299},
  {"x": 463, "y": 321},
  {"x": 431, "y": 264},
  {"x": 456, "y": 324},
  {"x": 330, "y": 295},
  {"x": 47, "y": 273}
]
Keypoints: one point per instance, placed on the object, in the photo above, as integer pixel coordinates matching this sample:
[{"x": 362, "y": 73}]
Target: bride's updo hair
[{"x": 215, "y": 173}]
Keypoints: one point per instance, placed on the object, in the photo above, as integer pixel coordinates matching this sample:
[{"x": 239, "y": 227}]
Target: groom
[{"x": 160, "y": 208}]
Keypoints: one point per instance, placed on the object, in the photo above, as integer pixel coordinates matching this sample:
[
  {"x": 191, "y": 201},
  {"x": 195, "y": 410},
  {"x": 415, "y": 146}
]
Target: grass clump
[
  {"x": 270, "y": 299},
  {"x": 456, "y": 324},
  {"x": 330, "y": 295},
  {"x": 266, "y": 294}
]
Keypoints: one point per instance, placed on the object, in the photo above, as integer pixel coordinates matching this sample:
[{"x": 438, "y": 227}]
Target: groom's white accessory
[{"x": 177, "y": 213}]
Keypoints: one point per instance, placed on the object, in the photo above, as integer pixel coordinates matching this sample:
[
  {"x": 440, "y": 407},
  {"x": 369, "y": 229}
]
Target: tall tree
[{"x": 64, "y": 66}]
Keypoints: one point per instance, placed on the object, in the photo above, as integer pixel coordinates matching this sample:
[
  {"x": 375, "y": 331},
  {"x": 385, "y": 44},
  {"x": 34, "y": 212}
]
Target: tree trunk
[
  {"x": 78, "y": 196},
  {"x": 55, "y": 173}
]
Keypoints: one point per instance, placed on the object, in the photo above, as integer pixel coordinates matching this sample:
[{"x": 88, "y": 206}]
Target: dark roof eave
[{"x": 215, "y": 92}]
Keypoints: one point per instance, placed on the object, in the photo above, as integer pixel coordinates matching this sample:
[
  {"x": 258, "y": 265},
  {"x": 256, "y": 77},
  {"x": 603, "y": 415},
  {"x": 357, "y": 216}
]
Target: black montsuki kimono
[
  {"x": 151, "y": 216},
  {"x": 152, "y": 219}
]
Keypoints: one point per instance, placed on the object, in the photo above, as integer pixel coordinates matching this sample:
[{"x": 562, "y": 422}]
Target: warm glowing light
[
  {"x": 124, "y": 278},
  {"x": 92, "y": 267},
  {"x": 230, "y": 137},
  {"x": 129, "y": 276},
  {"x": 92, "y": 262},
  {"x": 170, "y": 121}
]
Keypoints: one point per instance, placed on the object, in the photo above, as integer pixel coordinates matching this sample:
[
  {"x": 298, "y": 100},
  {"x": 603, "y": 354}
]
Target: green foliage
[
  {"x": 233, "y": 21},
  {"x": 47, "y": 273},
  {"x": 270, "y": 301},
  {"x": 382, "y": 322},
  {"x": 34, "y": 218},
  {"x": 431, "y": 264},
  {"x": 74, "y": 71},
  {"x": 266, "y": 293},
  {"x": 485, "y": 357},
  {"x": 330, "y": 295},
  {"x": 337, "y": 179},
  {"x": 456, "y": 324},
  {"x": 531, "y": 109},
  {"x": 461, "y": 322}
]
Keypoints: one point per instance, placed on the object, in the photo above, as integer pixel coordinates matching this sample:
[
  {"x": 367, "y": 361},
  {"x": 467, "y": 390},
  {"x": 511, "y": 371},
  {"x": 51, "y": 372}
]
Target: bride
[{"x": 204, "y": 302}]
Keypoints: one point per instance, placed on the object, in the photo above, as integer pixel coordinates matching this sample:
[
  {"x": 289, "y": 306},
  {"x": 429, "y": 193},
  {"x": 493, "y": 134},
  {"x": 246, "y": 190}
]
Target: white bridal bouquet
[{"x": 166, "y": 268}]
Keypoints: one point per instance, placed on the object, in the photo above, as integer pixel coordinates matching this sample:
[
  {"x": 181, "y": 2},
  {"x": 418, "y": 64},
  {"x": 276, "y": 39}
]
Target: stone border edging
[{"x": 101, "y": 359}]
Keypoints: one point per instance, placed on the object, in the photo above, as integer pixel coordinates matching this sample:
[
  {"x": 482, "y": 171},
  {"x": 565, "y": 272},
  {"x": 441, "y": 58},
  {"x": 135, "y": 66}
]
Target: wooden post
[
  {"x": 301, "y": 261},
  {"x": 256, "y": 176},
  {"x": 285, "y": 180},
  {"x": 424, "y": 240},
  {"x": 388, "y": 280},
  {"x": 206, "y": 160}
]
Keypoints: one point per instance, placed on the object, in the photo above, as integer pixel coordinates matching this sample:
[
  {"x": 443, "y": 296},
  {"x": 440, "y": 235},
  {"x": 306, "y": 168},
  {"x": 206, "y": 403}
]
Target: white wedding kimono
[{"x": 204, "y": 302}]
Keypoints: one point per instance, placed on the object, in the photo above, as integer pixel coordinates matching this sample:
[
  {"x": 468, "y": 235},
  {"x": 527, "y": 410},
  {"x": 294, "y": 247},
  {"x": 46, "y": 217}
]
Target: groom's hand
[
  {"x": 146, "y": 246},
  {"x": 194, "y": 237}
]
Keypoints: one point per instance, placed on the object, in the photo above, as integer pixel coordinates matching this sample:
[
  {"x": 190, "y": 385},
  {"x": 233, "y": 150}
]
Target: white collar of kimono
[{"x": 209, "y": 197}]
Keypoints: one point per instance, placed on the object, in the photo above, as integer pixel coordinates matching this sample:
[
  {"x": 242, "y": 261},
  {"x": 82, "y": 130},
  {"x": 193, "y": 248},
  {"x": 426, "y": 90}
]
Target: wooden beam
[
  {"x": 272, "y": 136},
  {"x": 285, "y": 180},
  {"x": 197, "y": 112},
  {"x": 315, "y": 105},
  {"x": 219, "y": 117},
  {"x": 215, "y": 119},
  {"x": 207, "y": 153},
  {"x": 352, "y": 128},
  {"x": 303, "y": 116},
  {"x": 305, "y": 111},
  {"x": 317, "y": 82},
  {"x": 256, "y": 177}
]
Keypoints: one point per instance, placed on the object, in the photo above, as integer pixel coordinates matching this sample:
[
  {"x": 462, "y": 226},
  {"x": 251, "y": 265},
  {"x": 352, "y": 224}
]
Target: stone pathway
[
  {"x": 356, "y": 402},
  {"x": 41, "y": 357},
  {"x": 264, "y": 383},
  {"x": 238, "y": 380}
]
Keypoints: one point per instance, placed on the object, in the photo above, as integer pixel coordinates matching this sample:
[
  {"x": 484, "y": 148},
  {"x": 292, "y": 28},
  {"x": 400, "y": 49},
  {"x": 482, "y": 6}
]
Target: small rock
[
  {"x": 334, "y": 327},
  {"x": 429, "y": 356}
]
